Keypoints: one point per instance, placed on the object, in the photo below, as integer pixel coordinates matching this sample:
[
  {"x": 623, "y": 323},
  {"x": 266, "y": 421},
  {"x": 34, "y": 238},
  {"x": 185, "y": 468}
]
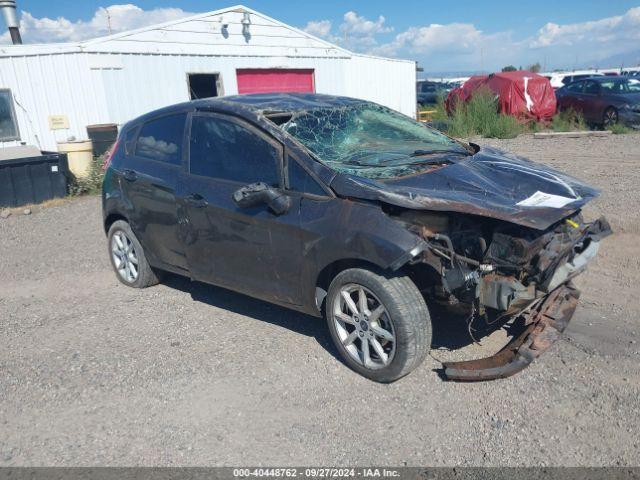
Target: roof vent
[{"x": 8, "y": 8}]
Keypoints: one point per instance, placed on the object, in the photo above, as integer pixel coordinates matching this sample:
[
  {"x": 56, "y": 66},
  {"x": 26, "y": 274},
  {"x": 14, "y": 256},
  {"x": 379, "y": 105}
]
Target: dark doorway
[{"x": 203, "y": 85}]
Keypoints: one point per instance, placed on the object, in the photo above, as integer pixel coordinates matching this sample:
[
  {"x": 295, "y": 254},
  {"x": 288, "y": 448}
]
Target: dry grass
[{"x": 34, "y": 207}]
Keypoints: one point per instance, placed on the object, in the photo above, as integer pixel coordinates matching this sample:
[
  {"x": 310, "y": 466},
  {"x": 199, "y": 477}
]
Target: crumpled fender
[{"x": 359, "y": 232}]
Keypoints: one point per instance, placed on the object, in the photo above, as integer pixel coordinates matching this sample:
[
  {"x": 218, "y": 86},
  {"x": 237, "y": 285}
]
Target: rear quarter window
[{"x": 130, "y": 141}]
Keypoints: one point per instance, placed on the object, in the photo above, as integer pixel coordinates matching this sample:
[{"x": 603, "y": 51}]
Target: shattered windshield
[{"x": 371, "y": 141}]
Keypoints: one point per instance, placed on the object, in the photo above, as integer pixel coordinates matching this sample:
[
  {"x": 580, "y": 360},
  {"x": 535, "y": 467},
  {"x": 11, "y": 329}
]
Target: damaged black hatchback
[{"x": 337, "y": 206}]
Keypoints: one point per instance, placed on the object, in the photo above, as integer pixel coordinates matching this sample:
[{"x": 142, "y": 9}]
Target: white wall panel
[
  {"x": 45, "y": 85},
  {"x": 389, "y": 82}
]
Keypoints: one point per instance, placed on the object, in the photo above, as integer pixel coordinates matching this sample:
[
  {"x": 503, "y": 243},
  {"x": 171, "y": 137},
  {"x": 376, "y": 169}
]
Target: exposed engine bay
[{"x": 503, "y": 271}]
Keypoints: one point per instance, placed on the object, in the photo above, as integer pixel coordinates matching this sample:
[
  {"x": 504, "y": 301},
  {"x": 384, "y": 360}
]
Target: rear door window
[
  {"x": 575, "y": 87},
  {"x": 161, "y": 139},
  {"x": 227, "y": 149},
  {"x": 591, "y": 87}
]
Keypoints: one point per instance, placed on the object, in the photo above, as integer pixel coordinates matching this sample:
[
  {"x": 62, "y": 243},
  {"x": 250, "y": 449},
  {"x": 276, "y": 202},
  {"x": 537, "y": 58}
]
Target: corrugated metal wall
[
  {"x": 389, "y": 82},
  {"x": 118, "y": 78},
  {"x": 44, "y": 85},
  {"x": 147, "y": 82}
]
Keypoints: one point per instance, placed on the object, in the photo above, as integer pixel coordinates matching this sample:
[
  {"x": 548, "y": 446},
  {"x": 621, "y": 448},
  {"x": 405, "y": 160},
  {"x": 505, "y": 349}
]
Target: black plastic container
[
  {"x": 33, "y": 179},
  {"x": 102, "y": 136}
]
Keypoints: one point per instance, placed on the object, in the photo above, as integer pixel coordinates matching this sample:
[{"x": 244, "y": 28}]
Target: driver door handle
[
  {"x": 129, "y": 175},
  {"x": 196, "y": 200}
]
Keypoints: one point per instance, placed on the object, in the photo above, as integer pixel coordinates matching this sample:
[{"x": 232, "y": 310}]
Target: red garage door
[{"x": 268, "y": 80}]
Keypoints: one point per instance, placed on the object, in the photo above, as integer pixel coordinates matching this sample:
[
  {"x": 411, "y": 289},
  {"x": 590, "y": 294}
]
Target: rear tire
[
  {"x": 392, "y": 320},
  {"x": 128, "y": 259}
]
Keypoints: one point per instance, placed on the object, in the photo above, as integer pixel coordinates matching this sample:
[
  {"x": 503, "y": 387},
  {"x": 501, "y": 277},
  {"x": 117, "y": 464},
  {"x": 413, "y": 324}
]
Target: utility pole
[{"x": 108, "y": 20}]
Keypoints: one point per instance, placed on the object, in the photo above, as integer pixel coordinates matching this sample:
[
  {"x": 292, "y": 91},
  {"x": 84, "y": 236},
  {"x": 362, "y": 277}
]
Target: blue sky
[{"x": 442, "y": 35}]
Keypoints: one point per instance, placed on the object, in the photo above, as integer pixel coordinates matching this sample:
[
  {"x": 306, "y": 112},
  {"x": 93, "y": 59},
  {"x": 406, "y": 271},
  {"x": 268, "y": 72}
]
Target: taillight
[{"x": 109, "y": 154}]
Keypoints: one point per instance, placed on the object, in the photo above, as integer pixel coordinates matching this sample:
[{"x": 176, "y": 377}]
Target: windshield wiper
[
  {"x": 439, "y": 161},
  {"x": 420, "y": 153}
]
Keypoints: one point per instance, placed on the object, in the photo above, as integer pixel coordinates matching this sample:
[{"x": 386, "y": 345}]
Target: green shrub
[
  {"x": 505, "y": 126},
  {"x": 459, "y": 125},
  {"x": 568, "y": 121},
  {"x": 618, "y": 129},
  {"x": 439, "y": 107},
  {"x": 479, "y": 116},
  {"x": 92, "y": 184}
]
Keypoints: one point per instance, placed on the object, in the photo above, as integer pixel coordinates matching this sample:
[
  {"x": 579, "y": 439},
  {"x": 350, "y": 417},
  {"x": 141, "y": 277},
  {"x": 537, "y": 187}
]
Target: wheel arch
[
  {"x": 330, "y": 271},
  {"x": 111, "y": 219}
]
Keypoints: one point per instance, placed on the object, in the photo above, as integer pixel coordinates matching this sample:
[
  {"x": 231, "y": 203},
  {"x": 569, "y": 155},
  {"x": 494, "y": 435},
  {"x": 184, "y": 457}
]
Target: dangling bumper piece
[{"x": 544, "y": 323}]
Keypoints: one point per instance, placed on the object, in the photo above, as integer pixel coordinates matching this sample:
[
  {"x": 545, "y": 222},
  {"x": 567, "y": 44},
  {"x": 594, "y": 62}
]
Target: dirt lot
[{"x": 92, "y": 372}]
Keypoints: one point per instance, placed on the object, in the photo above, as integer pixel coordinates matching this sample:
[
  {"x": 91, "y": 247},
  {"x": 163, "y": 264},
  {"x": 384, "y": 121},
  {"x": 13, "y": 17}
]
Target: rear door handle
[
  {"x": 196, "y": 200},
  {"x": 129, "y": 175}
]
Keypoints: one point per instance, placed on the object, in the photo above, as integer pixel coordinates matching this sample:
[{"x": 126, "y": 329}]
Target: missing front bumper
[{"x": 544, "y": 323}]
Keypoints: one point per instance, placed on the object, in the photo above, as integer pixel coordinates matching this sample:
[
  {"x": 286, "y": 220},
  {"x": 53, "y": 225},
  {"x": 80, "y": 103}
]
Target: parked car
[
  {"x": 604, "y": 100},
  {"x": 559, "y": 80},
  {"x": 428, "y": 92},
  {"x": 340, "y": 207}
]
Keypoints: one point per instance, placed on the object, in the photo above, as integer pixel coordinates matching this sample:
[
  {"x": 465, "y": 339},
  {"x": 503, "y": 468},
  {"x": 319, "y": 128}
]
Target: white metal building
[{"x": 56, "y": 90}]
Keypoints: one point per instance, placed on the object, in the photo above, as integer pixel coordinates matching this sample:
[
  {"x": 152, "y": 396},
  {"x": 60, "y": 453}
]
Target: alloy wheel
[
  {"x": 124, "y": 256},
  {"x": 364, "y": 327},
  {"x": 610, "y": 117}
]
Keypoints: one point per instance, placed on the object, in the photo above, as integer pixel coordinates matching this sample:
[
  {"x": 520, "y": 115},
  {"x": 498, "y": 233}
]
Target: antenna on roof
[{"x": 108, "y": 20}]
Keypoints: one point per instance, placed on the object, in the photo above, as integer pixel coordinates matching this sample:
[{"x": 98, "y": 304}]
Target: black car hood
[{"x": 491, "y": 183}]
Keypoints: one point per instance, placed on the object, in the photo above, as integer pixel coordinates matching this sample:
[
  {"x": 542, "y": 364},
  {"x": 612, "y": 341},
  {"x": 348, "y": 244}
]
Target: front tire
[
  {"x": 127, "y": 257},
  {"x": 610, "y": 117},
  {"x": 379, "y": 323}
]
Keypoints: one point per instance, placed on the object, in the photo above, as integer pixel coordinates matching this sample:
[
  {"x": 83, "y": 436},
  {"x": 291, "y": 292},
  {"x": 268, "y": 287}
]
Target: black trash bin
[
  {"x": 103, "y": 136},
  {"x": 33, "y": 179}
]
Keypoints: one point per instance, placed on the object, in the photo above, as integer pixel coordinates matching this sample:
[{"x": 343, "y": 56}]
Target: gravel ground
[{"x": 95, "y": 373}]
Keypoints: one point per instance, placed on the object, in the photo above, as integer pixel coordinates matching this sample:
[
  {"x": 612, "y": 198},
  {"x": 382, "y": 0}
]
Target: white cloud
[
  {"x": 453, "y": 46},
  {"x": 459, "y": 42},
  {"x": 355, "y": 32},
  {"x": 462, "y": 46},
  {"x": 359, "y": 32},
  {"x": 453, "y": 38},
  {"x": 622, "y": 28},
  {"x": 321, "y": 28},
  {"x": 122, "y": 17}
]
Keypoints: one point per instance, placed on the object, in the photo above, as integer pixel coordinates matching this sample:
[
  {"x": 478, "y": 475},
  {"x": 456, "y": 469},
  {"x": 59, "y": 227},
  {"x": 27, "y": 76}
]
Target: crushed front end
[{"x": 506, "y": 273}]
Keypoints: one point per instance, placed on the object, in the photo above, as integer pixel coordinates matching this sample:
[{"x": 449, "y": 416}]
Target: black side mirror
[{"x": 262, "y": 194}]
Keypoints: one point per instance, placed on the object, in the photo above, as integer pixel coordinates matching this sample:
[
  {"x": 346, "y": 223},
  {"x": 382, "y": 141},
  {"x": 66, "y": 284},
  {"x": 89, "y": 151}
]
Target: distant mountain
[{"x": 630, "y": 59}]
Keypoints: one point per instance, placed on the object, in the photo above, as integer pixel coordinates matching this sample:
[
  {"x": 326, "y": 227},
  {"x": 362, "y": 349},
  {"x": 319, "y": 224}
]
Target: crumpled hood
[{"x": 491, "y": 183}]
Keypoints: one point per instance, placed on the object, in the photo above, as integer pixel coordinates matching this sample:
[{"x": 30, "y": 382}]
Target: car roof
[
  {"x": 607, "y": 78},
  {"x": 596, "y": 79},
  {"x": 252, "y": 104}
]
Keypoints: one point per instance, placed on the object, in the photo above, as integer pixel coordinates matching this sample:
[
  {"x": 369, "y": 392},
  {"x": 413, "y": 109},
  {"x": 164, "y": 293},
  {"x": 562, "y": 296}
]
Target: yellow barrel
[{"x": 79, "y": 155}]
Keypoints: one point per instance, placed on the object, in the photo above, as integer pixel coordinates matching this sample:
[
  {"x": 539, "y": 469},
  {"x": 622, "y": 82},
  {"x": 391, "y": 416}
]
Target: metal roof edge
[{"x": 85, "y": 46}]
